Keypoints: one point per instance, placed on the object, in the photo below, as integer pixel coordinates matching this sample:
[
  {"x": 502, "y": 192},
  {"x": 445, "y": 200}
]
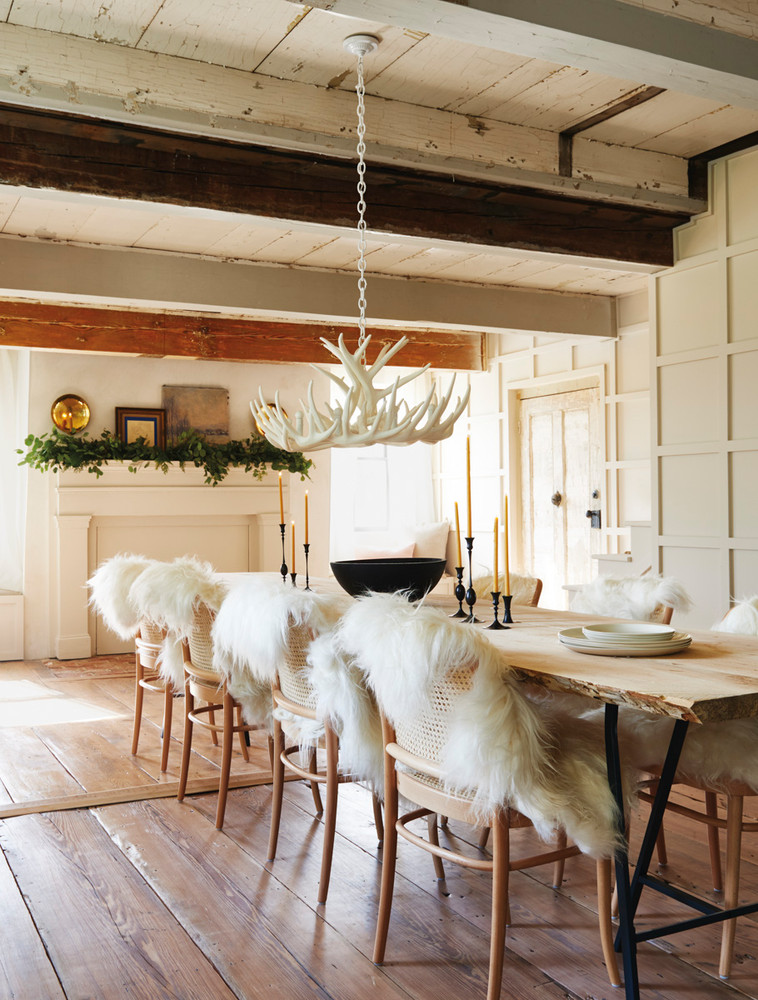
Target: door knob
[{"x": 556, "y": 499}]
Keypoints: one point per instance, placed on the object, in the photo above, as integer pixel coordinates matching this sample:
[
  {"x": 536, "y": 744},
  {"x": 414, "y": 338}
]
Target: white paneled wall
[
  {"x": 705, "y": 465},
  {"x": 517, "y": 362}
]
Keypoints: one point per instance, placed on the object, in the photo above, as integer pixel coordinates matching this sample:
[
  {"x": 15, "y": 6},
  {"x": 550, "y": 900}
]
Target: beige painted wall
[
  {"x": 106, "y": 382},
  {"x": 517, "y": 361},
  {"x": 705, "y": 468}
]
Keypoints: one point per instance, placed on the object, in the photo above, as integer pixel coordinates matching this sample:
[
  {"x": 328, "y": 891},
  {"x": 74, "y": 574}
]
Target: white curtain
[{"x": 14, "y": 392}]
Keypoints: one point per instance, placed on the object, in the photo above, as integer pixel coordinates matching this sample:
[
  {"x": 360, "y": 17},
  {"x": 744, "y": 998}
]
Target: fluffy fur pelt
[
  {"x": 522, "y": 587},
  {"x": 713, "y": 752},
  {"x": 635, "y": 597},
  {"x": 500, "y": 747},
  {"x": 167, "y": 593},
  {"x": 742, "y": 619},
  {"x": 110, "y": 587},
  {"x": 250, "y": 636}
]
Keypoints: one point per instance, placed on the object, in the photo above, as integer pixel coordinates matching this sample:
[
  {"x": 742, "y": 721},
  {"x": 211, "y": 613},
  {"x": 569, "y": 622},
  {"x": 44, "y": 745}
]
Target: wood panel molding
[
  {"x": 214, "y": 338},
  {"x": 76, "y": 154}
]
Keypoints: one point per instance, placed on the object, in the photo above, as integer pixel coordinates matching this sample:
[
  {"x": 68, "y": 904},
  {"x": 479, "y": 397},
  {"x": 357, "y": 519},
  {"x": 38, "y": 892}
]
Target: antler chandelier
[{"x": 366, "y": 414}]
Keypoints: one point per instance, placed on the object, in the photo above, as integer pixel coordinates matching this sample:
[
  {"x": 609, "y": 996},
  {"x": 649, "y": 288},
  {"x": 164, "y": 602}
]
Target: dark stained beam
[
  {"x": 697, "y": 168},
  {"x": 69, "y": 153},
  {"x": 57, "y": 327},
  {"x": 565, "y": 138}
]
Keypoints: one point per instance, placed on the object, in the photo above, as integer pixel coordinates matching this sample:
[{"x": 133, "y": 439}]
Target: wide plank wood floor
[{"x": 145, "y": 899}]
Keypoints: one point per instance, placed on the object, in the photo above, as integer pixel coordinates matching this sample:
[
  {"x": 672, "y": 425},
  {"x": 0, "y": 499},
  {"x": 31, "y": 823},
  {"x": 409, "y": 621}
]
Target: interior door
[{"x": 560, "y": 482}]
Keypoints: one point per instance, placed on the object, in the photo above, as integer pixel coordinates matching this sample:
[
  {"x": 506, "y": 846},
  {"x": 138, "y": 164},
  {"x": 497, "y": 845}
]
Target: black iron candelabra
[
  {"x": 460, "y": 594},
  {"x": 470, "y": 592},
  {"x": 283, "y": 567},
  {"x": 495, "y": 603},
  {"x": 307, "y": 547}
]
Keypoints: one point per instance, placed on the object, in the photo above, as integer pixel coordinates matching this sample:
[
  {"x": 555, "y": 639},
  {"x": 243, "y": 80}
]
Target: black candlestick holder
[
  {"x": 507, "y": 598},
  {"x": 283, "y": 567},
  {"x": 460, "y": 594},
  {"x": 470, "y": 592},
  {"x": 495, "y": 602},
  {"x": 307, "y": 547},
  {"x": 293, "y": 577}
]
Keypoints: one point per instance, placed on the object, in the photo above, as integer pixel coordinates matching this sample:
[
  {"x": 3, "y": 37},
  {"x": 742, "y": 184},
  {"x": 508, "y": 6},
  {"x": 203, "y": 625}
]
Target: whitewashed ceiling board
[
  {"x": 389, "y": 255},
  {"x": 47, "y": 219},
  {"x": 235, "y": 33},
  {"x": 8, "y": 201},
  {"x": 642, "y": 124},
  {"x": 737, "y": 16},
  {"x": 313, "y": 51},
  {"x": 563, "y": 98},
  {"x": 599, "y": 162},
  {"x": 720, "y": 126},
  {"x": 607, "y": 283},
  {"x": 287, "y": 249},
  {"x": 115, "y": 226},
  {"x": 478, "y": 267},
  {"x": 120, "y": 21},
  {"x": 249, "y": 239},
  {"x": 341, "y": 252},
  {"x": 185, "y": 234}
]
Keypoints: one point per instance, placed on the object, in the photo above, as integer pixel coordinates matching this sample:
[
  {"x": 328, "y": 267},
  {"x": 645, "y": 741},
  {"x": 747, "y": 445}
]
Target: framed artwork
[
  {"x": 133, "y": 423},
  {"x": 203, "y": 408}
]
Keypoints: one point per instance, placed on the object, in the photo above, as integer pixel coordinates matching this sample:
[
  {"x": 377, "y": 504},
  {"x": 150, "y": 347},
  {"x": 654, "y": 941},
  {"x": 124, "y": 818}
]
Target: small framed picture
[{"x": 133, "y": 423}]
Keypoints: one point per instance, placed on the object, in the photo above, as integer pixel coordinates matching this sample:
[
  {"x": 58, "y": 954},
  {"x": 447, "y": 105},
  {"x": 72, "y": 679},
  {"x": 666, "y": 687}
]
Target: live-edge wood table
[{"x": 714, "y": 680}]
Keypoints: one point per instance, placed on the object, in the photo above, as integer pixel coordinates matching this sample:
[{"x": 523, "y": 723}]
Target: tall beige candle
[
  {"x": 468, "y": 483},
  {"x": 281, "y": 501},
  {"x": 292, "y": 567},
  {"x": 306, "y": 517},
  {"x": 458, "y": 535},
  {"x": 507, "y": 580},
  {"x": 495, "y": 587}
]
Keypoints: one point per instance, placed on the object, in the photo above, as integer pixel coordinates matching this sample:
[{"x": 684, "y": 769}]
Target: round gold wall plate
[{"x": 70, "y": 413}]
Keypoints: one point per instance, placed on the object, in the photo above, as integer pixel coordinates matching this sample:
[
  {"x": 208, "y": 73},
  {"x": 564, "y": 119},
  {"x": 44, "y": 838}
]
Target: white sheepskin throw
[
  {"x": 110, "y": 587},
  {"x": 500, "y": 748},
  {"x": 167, "y": 593},
  {"x": 522, "y": 587},
  {"x": 250, "y": 636},
  {"x": 742, "y": 619},
  {"x": 713, "y": 753},
  {"x": 635, "y": 597}
]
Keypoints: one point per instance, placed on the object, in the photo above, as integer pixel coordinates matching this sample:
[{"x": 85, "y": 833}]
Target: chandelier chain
[{"x": 360, "y": 89}]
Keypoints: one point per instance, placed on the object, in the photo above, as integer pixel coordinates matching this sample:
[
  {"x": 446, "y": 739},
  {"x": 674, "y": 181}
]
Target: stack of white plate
[{"x": 625, "y": 639}]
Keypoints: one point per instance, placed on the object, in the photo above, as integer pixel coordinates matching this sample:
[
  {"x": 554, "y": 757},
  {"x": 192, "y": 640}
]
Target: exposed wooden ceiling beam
[
  {"x": 56, "y": 327},
  {"x": 69, "y": 153},
  {"x": 113, "y": 82},
  {"x": 604, "y": 36}
]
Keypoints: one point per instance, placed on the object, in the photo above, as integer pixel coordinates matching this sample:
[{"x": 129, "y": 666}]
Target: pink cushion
[{"x": 405, "y": 553}]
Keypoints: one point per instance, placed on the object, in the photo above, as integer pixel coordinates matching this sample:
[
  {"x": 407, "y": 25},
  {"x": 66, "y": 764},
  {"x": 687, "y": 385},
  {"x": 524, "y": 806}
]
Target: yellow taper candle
[
  {"x": 281, "y": 501},
  {"x": 495, "y": 587},
  {"x": 468, "y": 483},
  {"x": 306, "y": 517},
  {"x": 292, "y": 567},
  {"x": 458, "y": 536},
  {"x": 507, "y": 574}
]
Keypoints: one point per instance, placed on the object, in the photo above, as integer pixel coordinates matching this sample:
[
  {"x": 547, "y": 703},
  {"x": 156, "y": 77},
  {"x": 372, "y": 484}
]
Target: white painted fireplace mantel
[{"x": 233, "y": 525}]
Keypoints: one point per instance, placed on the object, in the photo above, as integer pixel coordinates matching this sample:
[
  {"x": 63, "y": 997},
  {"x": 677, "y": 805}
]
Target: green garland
[{"x": 62, "y": 450}]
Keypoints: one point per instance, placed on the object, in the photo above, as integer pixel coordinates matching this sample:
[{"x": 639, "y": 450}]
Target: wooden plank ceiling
[{"x": 227, "y": 131}]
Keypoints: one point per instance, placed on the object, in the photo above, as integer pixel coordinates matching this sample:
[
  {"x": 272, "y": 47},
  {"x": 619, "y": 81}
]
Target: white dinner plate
[
  {"x": 575, "y": 639},
  {"x": 629, "y": 632}
]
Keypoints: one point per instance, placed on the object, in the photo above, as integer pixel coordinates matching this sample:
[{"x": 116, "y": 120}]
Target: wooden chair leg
[
  {"x": 732, "y": 881},
  {"x": 227, "y": 739},
  {"x": 484, "y": 836},
  {"x": 500, "y": 876},
  {"x": 560, "y": 865},
  {"x": 277, "y": 769},
  {"x": 330, "y": 814},
  {"x": 212, "y": 720},
  {"x": 439, "y": 868},
  {"x": 389, "y": 860},
  {"x": 168, "y": 714},
  {"x": 604, "y": 920},
  {"x": 271, "y": 751},
  {"x": 139, "y": 695},
  {"x": 714, "y": 847},
  {"x": 378, "y": 821},
  {"x": 189, "y": 706},
  {"x": 244, "y": 737},
  {"x": 313, "y": 768}
]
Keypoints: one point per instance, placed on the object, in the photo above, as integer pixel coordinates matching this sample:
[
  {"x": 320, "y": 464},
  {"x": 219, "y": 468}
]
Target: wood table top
[{"x": 714, "y": 679}]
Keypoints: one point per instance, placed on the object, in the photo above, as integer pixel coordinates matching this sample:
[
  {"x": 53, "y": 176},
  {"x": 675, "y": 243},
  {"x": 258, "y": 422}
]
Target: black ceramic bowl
[{"x": 414, "y": 576}]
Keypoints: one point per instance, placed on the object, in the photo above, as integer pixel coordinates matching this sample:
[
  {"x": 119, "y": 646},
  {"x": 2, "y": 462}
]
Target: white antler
[{"x": 367, "y": 415}]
